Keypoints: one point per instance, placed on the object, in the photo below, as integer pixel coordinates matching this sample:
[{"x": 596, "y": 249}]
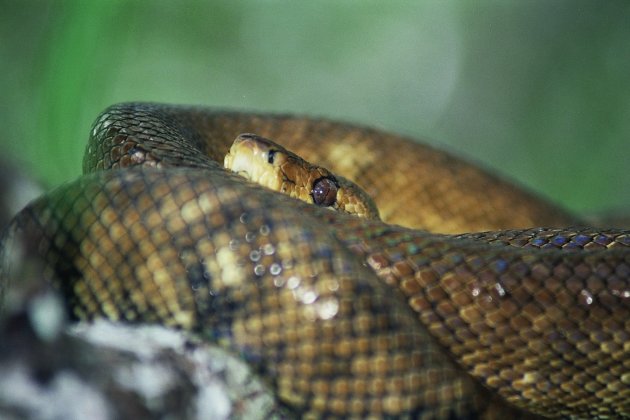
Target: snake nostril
[{"x": 271, "y": 156}]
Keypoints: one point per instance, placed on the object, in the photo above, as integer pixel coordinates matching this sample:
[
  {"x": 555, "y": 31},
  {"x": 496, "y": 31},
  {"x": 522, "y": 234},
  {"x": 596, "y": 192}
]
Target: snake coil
[{"x": 344, "y": 316}]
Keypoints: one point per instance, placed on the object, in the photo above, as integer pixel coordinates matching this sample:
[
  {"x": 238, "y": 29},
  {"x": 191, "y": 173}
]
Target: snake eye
[
  {"x": 271, "y": 155},
  {"x": 324, "y": 191}
]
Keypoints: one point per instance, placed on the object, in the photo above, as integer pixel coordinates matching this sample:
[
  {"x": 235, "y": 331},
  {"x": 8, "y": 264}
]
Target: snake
[{"x": 469, "y": 297}]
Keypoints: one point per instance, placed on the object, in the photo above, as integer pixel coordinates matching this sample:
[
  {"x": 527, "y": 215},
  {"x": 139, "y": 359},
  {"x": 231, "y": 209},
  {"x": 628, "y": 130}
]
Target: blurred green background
[{"x": 538, "y": 90}]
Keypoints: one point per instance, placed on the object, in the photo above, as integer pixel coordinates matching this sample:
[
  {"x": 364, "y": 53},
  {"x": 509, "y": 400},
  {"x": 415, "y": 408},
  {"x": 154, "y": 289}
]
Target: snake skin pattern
[{"x": 343, "y": 316}]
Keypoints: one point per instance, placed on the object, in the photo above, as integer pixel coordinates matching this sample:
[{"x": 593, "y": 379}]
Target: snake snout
[{"x": 249, "y": 156}]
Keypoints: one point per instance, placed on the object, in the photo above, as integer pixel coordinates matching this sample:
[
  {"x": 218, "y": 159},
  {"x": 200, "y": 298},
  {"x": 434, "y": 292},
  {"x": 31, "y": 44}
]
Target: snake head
[{"x": 269, "y": 164}]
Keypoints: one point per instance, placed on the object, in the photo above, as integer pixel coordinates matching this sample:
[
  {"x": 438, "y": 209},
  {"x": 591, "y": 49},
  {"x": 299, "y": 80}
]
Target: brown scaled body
[{"x": 344, "y": 316}]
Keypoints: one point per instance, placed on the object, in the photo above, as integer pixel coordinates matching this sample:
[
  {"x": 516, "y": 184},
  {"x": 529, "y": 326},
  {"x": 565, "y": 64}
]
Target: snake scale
[{"x": 343, "y": 316}]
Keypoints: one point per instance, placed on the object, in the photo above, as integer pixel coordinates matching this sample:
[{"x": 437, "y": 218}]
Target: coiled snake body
[{"x": 344, "y": 316}]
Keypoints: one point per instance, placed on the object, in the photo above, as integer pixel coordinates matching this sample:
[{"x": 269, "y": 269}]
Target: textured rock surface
[{"x": 113, "y": 371}]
